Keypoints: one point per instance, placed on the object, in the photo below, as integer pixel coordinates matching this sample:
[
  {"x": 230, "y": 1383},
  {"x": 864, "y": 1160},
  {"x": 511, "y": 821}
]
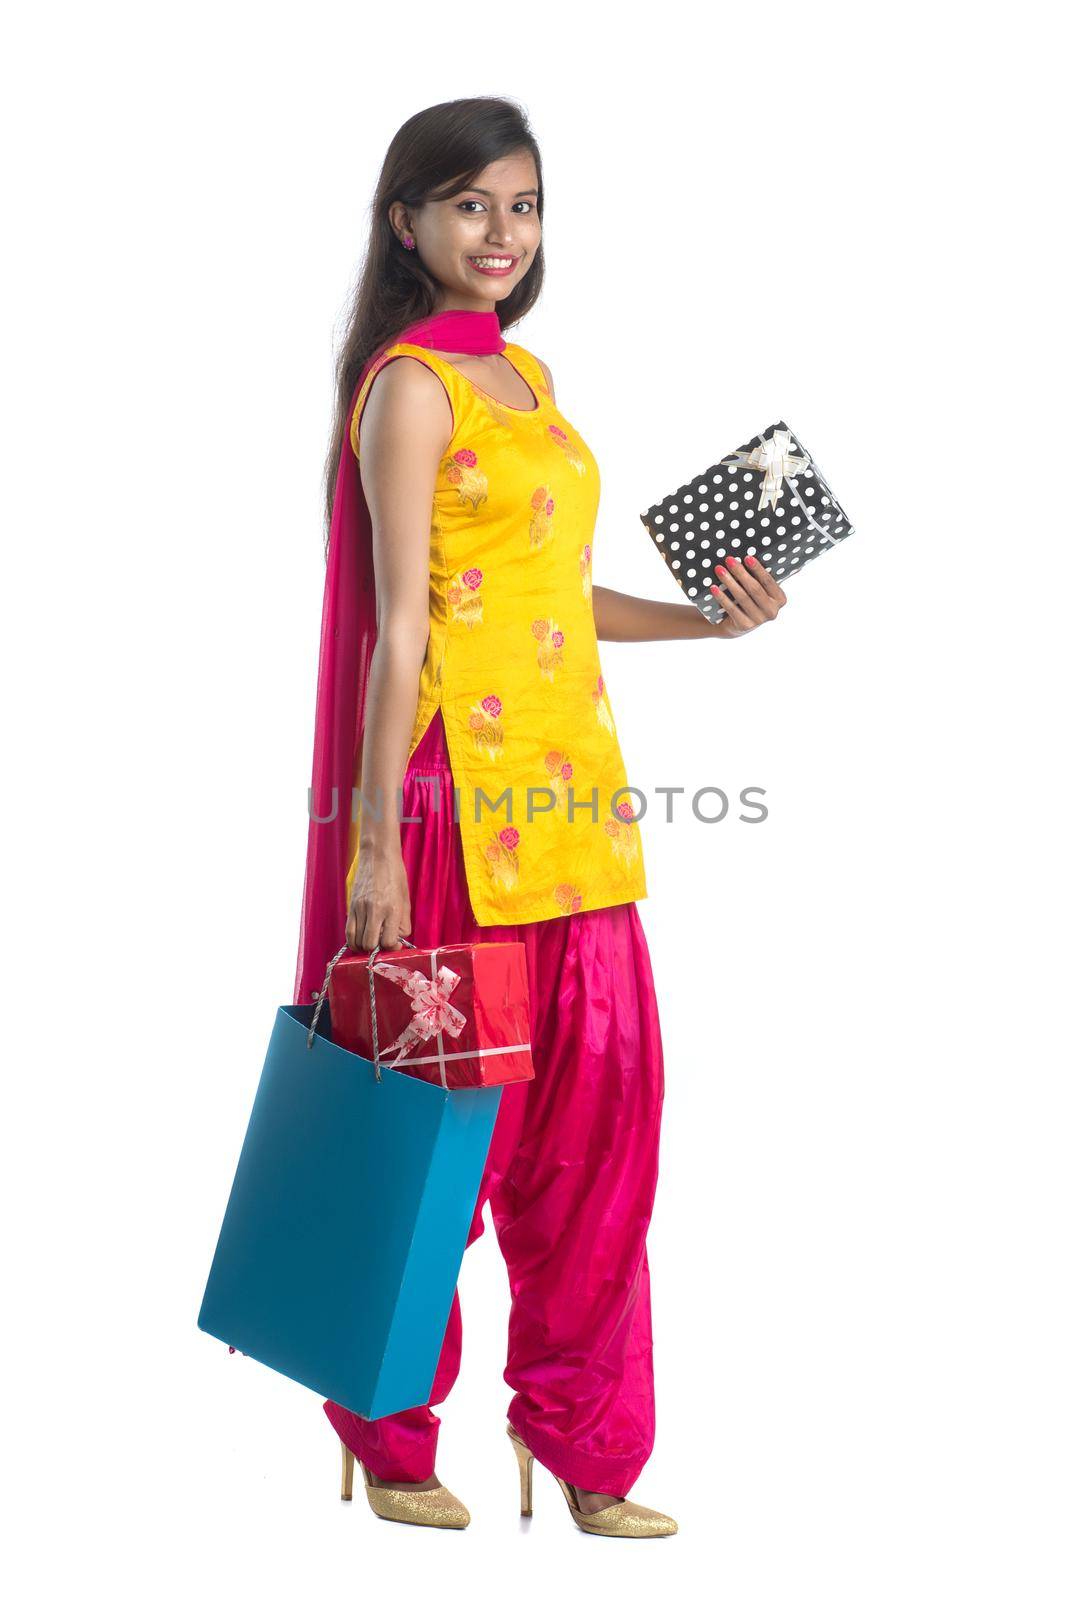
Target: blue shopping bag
[{"x": 347, "y": 1220}]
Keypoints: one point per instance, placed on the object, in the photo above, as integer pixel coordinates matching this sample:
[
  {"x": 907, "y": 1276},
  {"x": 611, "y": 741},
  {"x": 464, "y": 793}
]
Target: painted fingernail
[
  {"x": 751, "y": 560},
  {"x": 722, "y": 571},
  {"x": 716, "y": 589},
  {"x": 732, "y": 561}
]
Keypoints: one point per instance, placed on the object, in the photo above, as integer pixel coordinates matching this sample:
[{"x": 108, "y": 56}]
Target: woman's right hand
[{"x": 380, "y": 908}]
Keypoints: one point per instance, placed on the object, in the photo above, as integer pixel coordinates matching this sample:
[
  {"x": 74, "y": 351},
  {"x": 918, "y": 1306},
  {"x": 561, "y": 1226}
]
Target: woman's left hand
[{"x": 749, "y": 596}]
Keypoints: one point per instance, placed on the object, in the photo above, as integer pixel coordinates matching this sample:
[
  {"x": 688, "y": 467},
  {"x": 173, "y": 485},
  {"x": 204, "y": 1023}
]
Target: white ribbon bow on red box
[
  {"x": 432, "y": 1011},
  {"x": 433, "y": 1015}
]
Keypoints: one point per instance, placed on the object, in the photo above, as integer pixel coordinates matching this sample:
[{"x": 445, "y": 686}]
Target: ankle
[
  {"x": 594, "y": 1499},
  {"x": 433, "y": 1482}
]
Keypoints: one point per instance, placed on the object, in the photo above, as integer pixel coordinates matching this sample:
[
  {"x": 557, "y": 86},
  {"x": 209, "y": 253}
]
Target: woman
[{"x": 459, "y": 660}]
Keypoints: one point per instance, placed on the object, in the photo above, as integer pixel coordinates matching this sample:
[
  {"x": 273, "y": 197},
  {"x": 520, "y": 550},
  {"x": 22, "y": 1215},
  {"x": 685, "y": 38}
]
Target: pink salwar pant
[{"x": 570, "y": 1176}]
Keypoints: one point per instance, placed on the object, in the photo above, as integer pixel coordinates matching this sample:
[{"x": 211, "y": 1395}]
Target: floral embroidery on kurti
[
  {"x": 486, "y": 727},
  {"x": 566, "y": 895},
  {"x": 502, "y": 857},
  {"x": 558, "y": 436},
  {"x": 465, "y": 598},
  {"x": 604, "y": 716},
  {"x": 560, "y": 772},
  {"x": 550, "y": 653},
  {"x": 585, "y": 573},
  {"x": 542, "y": 508},
  {"x": 622, "y": 834},
  {"x": 470, "y": 483}
]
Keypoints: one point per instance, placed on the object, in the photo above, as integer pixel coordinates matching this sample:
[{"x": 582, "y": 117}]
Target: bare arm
[
  {"x": 404, "y": 429},
  {"x": 629, "y": 617},
  {"x": 746, "y": 590}
]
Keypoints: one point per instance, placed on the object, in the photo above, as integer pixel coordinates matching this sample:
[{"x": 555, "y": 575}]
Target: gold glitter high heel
[
  {"x": 427, "y": 1508},
  {"x": 623, "y": 1520}
]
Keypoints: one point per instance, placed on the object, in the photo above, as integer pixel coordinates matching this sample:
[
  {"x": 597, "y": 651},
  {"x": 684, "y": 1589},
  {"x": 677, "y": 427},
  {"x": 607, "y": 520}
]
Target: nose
[{"x": 499, "y": 233}]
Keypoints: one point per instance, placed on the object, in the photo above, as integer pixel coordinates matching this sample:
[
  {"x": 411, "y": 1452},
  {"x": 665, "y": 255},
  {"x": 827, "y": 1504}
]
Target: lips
[{"x": 495, "y": 272}]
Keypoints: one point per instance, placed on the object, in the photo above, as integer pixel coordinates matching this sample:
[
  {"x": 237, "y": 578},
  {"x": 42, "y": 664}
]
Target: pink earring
[{"x": 409, "y": 244}]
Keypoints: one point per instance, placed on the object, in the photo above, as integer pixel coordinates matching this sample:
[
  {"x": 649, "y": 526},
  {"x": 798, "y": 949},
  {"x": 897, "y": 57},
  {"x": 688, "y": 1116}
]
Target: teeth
[{"x": 492, "y": 261}]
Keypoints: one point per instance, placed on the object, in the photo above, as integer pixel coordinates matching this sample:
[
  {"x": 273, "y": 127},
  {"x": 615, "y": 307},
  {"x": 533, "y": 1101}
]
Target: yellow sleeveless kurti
[{"x": 512, "y": 658}]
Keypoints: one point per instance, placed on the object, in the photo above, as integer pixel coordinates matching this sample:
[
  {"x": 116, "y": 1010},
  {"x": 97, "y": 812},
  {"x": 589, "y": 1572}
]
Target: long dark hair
[{"x": 435, "y": 154}]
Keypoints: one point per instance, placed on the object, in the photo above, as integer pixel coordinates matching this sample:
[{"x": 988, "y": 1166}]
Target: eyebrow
[{"x": 473, "y": 189}]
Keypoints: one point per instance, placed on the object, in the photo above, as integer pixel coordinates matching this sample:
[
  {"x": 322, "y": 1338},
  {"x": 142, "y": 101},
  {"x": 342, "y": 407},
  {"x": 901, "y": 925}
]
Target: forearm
[
  {"x": 392, "y": 700},
  {"x": 628, "y": 617}
]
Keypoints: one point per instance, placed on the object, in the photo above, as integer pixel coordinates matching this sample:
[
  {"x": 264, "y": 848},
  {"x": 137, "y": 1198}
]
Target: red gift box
[{"x": 456, "y": 1015}]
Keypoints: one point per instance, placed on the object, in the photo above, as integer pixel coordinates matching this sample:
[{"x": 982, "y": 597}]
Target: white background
[{"x": 844, "y": 216}]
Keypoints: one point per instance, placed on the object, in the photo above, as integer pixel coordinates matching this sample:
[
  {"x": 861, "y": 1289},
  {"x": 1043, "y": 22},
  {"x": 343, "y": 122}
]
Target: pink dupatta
[{"x": 346, "y": 645}]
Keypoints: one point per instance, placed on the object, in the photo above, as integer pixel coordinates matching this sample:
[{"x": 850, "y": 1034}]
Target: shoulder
[
  {"x": 405, "y": 387},
  {"x": 544, "y": 365},
  {"x": 538, "y": 368},
  {"x": 407, "y": 369}
]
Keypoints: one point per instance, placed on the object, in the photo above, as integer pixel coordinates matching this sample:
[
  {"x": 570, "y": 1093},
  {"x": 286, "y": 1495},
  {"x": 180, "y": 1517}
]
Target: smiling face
[{"x": 480, "y": 242}]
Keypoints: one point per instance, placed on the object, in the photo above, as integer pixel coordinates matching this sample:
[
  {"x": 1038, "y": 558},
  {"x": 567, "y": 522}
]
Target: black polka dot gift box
[{"x": 768, "y": 499}]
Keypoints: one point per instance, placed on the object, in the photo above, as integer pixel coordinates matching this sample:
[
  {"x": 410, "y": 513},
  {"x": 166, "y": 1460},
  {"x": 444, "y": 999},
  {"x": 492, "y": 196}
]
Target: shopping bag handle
[{"x": 371, "y": 982}]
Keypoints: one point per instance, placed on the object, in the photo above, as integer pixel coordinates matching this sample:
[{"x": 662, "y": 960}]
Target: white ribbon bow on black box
[{"x": 767, "y": 499}]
